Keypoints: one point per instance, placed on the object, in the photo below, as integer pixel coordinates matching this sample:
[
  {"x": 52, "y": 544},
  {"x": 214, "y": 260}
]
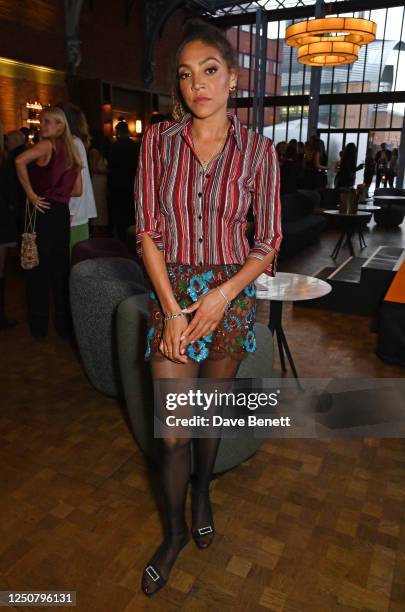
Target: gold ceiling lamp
[{"x": 330, "y": 41}]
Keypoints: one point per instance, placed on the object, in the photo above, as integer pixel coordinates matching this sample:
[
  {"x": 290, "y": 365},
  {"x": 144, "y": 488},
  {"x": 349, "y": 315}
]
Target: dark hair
[
  {"x": 349, "y": 156},
  {"x": 197, "y": 29},
  {"x": 121, "y": 127},
  {"x": 77, "y": 121},
  {"x": 291, "y": 151}
]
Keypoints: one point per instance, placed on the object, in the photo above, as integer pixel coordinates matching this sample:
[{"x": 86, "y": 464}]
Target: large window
[{"x": 362, "y": 102}]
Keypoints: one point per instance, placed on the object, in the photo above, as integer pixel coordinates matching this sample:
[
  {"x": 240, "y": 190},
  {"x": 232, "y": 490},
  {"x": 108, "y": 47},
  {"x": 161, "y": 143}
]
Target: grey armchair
[{"x": 97, "y": 286}]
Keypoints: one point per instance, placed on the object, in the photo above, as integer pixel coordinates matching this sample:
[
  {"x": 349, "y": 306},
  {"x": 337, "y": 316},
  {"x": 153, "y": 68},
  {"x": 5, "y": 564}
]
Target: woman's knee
[{"x": 175, "y": 443}]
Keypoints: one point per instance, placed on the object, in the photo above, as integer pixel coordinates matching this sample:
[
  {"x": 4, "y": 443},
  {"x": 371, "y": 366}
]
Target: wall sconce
[{"x": 138, "y": 126}]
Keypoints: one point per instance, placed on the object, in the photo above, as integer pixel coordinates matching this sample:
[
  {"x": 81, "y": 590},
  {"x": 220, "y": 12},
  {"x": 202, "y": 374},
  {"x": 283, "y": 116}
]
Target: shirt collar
[{"x": 183, "y": 127}]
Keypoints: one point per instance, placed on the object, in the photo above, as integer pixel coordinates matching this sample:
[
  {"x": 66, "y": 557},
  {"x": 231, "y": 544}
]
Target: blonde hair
[{"x": 72, "y": 154}]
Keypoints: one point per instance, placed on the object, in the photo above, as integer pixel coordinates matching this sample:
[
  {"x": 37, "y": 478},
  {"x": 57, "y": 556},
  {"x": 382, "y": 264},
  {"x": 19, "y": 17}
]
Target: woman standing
[
  {"x": 83, "y": 207},
  {"x": 196, "y": 179},
  {"x": 393, "y": 167},
  {"x": 314, "y": 164},
  {"x": 346, "y": 176},
  {"x": 369, "y": 171},
  {"x": 50, "y": 174}
]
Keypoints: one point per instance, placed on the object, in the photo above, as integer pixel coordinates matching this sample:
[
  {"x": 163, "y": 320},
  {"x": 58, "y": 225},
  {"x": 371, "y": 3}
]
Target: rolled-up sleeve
[
  {"x": 147, "y": 212},
  {"x": 267, "y": 209}
]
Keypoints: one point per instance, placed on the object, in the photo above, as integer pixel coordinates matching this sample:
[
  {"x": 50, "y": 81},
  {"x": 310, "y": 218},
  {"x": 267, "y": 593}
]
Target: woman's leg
[
  {"x": 39, "y": 278},
  {"x": 175, "y": 475},
  {"x": 206, "y": 450},
  {"x": 60, "y": 268}
]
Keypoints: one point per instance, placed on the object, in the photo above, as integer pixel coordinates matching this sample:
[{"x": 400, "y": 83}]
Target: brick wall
[
  {"x": 113, "y": 50},
  {"x": 16, "y": 90},
  {"x": 32, "y": 31}
]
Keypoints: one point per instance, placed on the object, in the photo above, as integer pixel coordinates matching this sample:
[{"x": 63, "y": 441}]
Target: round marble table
[
  {"x": 287, "y": 287},
  {"x": 389, "y": 198},
  {"x": 369, "y": 207}
]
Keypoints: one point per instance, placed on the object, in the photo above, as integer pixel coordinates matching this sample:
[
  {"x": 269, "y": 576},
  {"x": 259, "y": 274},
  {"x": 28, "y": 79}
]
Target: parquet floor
[{"x": 304, "y": 525}]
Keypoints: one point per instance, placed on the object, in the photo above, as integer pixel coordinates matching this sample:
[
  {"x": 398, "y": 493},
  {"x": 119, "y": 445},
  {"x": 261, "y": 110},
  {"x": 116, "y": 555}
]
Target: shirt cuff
[
  {"x": 260, "y": 250},
  {"x": 156, "y": 237}
]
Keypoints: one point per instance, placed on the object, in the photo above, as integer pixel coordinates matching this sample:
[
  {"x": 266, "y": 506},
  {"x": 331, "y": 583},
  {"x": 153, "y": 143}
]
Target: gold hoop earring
[
  {"x": 177, "y": 110},
  {"x": 232, "y": 90}
]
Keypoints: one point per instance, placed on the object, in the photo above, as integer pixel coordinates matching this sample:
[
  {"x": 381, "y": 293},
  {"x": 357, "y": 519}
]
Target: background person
[
  {"x": 123, "y": 161},
  {"x": 346, "y": 176},
  {"x": 369, "y": 171},
  {"x": 382, "y": 158},
  {"x": 8, "y": 233},
  {"x": 50, "y": 174},
  {"x": 83, "y": 207},
  {"x": 393, "y": 167}
]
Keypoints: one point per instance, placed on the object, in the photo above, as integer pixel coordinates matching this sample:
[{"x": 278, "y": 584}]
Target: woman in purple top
[{"x": 49, "y": 174}]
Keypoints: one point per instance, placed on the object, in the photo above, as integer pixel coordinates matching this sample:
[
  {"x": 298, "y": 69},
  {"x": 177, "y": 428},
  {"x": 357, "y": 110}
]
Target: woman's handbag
[{"x": 29, "y": 251}]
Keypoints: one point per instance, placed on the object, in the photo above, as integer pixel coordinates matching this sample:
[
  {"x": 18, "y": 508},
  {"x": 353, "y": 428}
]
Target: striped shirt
[{"x": 199, "y": 217}]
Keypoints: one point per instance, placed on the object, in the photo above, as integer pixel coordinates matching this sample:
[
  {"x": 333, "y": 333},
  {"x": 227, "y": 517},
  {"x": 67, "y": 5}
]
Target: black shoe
[
  {"x": 203, "y": 536},
  {"x": 153, "y": 579}
]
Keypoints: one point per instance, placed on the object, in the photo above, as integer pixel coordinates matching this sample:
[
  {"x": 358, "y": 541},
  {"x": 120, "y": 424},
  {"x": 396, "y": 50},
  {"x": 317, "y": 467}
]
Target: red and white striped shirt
[{"x": 198, "y": 217}]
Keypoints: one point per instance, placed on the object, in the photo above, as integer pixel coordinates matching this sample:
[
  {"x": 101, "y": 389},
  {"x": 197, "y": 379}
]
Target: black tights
[{"x": 175, "y": 468}]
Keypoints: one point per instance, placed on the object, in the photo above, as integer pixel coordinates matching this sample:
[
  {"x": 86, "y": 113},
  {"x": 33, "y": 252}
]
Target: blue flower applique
[
  {"x": 149, "y": 336},
  {"x": 207, "y": 276},
  {"x": 250, "y": 290},
  {"x": 231, "y": 323},
  {"x": 197, "y": 287},
  {"x": 208, "y": 338},
  {"x": 152, "y": 295},
  {"x": 197, "y": 350},
  {"x": 250, "y": 342}
]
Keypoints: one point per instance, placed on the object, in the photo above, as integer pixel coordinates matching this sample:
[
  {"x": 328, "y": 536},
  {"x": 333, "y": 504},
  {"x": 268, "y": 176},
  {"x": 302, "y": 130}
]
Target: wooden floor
[{"x": 305, "y": 525}]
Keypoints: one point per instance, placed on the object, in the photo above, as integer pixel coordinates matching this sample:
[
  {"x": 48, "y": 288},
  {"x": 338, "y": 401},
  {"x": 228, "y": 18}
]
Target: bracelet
[
  {"x": 228, "y": 303},
  {"x": 174, "y": 316}
]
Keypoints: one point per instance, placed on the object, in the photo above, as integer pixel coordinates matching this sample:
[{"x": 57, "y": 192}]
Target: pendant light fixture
[{"x": 330, "y": 41}]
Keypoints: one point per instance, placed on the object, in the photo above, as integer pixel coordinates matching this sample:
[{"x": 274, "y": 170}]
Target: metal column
[
  {"x": 260, "y": 70},
  {"x": 315, "y": 87}
]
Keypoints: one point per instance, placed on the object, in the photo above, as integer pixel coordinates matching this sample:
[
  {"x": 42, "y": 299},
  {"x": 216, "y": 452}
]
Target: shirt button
[
  {"x": 200, "y": 263},
  {"x": 200, "y": 217},
  {"x": 200, "y": 239},
  {"x": 207, "y": 176},
  {"x": 199, "y": 194}
]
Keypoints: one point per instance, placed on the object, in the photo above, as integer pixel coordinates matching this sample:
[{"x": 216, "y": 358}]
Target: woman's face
[
  {"x": 50, "y": 126},
  {"x": 204, "y": 79}
]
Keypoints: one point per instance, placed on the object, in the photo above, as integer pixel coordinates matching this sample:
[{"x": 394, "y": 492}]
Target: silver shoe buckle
[
  {"x": 152, "y": 573},
  {"x": 205, "y": 530}
]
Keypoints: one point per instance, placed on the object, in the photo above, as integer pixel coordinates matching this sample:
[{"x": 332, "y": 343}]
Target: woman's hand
[
  {"x": 170, "y": 344},
  {"x": 210, "y": 310},
  {"x": 40, "y": 203}
]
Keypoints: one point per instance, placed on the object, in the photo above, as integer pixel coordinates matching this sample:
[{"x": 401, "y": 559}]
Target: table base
[
  {"x": 275, "y": 326},
  {"x": 348, "y": 233}
]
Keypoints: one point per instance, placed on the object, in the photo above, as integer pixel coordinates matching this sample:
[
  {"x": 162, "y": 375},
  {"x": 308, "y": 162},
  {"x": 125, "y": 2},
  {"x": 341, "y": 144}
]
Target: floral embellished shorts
[{"x": 234, "y": 335}]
